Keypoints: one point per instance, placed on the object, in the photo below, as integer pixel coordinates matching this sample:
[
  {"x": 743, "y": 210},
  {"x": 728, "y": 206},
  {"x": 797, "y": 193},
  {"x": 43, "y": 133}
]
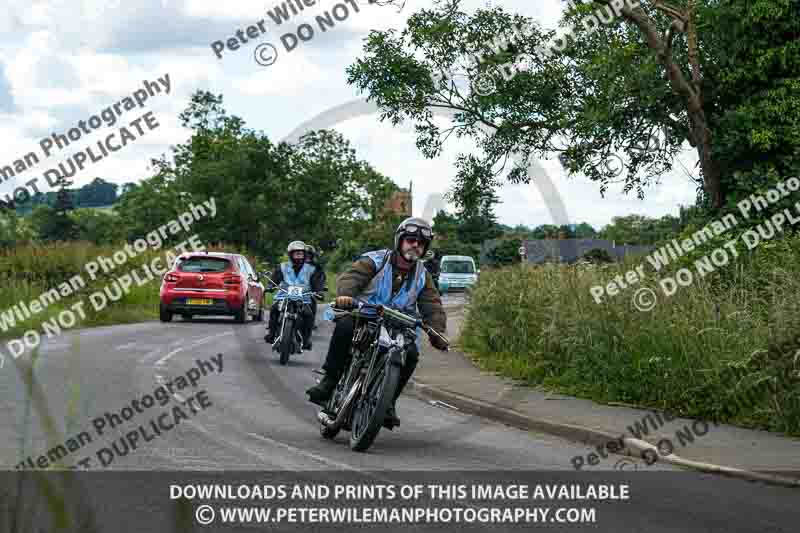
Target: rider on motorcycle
[
  {"x": 311, "y": 256},
  {"x": 295, "y": 272},
  {"x": 385, "y": 277}
]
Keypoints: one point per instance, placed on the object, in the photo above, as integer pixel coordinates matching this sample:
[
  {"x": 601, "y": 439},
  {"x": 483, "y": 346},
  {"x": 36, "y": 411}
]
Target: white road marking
[
  {"x": 314, "y": 456},
  {"x": 163, "y": 360},
  {"x": 126, "y": 346}
]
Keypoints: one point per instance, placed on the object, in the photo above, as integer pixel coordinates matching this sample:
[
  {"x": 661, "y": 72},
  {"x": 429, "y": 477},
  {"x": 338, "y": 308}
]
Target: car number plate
[{"x": 199, "y": 301}]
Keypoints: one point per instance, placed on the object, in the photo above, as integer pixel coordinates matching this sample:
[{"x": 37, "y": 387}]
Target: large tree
[
  {"x": 266, "y": 194},
  {"x": 719, "y": 75}
]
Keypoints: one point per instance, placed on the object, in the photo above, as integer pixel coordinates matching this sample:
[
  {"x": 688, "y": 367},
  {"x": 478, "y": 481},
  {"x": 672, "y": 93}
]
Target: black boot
[
  {"x": 307, "y": 343},
  {"x": 269, "y": 338},
  {"x": 322, "y": 392},
  {"x": 391, "y": 419}
]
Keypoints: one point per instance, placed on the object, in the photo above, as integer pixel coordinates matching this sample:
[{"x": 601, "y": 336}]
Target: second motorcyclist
[{"x": 295, "y": 272}]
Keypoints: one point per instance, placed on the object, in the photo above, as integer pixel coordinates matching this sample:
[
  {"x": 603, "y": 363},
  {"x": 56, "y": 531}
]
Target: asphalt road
[{"x": 255, "y": 416}]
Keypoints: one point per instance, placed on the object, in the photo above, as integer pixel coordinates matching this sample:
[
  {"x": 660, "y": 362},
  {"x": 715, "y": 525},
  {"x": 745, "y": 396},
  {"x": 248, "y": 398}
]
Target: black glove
[{"x": 437, "y": 342}]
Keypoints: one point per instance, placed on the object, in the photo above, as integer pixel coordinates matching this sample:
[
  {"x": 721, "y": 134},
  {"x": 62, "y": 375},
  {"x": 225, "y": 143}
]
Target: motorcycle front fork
[{"x": 296, "y": 331}]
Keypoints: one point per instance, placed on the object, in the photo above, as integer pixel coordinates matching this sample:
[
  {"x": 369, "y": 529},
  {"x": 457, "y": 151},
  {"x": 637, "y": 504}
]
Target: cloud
[
  {"x": 64, "y": 60},
  {"x": 6, "y": 98}
]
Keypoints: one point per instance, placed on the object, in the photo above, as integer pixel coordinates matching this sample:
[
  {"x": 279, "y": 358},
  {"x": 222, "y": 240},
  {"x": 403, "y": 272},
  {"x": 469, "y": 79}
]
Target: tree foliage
[
  {"x": 639, "y": 229},
  {"x": 720, "y": 75},
  {"x": 266, "y": 194},
  {"x": 506, "y": 253}
]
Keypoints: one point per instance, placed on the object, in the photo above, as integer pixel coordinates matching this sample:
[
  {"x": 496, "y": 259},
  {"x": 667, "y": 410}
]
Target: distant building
[
  {"x": 571, "y": 250},
  {"x": 401, "y": 202},
  {"x": 540, "y": 251}
]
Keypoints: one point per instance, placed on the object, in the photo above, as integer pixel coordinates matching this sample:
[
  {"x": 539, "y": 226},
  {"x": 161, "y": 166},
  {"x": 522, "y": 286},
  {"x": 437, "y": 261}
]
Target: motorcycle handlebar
[{"x": 358, "y": 304}]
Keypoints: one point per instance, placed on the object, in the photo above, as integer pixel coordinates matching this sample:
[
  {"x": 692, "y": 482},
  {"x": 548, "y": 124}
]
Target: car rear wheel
[
  {"x": 164, "y": 314},
  {"x": 259, "y": 317},
  {"x": 241, "y": 315}
]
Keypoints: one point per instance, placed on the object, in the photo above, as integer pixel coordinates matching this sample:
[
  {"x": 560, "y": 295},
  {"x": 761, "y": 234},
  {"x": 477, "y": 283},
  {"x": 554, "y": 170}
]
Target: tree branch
[{"x": 669, "y": 10}]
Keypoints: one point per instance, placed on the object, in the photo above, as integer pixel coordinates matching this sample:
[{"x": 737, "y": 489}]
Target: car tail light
[
  {"x": 171, "y": 278},
  {"x": 232, "y": 280}
]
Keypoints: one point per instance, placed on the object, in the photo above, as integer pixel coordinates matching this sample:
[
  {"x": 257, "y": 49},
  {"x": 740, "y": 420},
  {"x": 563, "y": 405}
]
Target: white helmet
[{"x": 296, "y": 246}]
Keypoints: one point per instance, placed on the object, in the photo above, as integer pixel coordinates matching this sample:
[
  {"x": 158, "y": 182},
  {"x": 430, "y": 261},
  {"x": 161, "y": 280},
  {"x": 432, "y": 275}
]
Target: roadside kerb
[{"x": 633, "y": 447}]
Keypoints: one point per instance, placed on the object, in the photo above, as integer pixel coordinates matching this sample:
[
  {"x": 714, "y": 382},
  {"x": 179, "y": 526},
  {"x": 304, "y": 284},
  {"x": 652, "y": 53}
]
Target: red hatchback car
[{"x": 212, "y": 284}]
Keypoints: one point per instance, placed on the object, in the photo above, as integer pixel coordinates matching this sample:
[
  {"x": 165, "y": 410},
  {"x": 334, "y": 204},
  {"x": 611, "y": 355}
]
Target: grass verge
[{"x": 726, "y": 348}]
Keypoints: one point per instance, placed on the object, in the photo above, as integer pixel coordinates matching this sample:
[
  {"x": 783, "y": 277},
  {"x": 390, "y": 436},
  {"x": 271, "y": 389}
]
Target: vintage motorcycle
[
  {"x": 290, "y": 340},
  {"x": 381, "y": 339}
]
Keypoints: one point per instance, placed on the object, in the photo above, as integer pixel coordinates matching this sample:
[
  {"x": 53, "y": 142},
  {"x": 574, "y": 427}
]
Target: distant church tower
[{"x": 401, "y": 202}]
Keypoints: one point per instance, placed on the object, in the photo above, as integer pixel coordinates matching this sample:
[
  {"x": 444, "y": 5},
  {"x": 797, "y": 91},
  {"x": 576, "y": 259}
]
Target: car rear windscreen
[
  {"x": 204, "y": 264},
  {"x": 458, "y": 267}
]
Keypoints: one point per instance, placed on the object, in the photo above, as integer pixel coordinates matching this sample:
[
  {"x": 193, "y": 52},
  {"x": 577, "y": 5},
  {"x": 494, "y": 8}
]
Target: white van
[{"x": 457, "y": 272}]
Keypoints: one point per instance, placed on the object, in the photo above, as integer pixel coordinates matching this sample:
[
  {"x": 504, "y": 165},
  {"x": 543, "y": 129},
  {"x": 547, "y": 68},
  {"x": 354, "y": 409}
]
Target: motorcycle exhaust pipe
[
  {"x": 324, "y": 419},
  {"x": 331, "y": 423},
  {"x": 344, "y": 412}
]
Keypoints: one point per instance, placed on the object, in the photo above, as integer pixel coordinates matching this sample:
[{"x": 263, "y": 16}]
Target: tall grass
[
  {"x": 27, "y": 272},
  {"x": 541, "y": 325}
]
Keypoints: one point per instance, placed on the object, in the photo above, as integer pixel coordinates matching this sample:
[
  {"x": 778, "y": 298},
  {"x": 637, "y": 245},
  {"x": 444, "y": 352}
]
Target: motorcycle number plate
[{"x": 295, "y": 291}]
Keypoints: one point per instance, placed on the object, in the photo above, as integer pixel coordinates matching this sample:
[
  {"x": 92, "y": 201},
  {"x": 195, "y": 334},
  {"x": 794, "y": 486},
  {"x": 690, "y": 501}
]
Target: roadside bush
[{"x": 598, "y": 256}]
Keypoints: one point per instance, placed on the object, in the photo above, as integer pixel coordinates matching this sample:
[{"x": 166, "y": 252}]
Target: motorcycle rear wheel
[{"x": 370, "y": 409}]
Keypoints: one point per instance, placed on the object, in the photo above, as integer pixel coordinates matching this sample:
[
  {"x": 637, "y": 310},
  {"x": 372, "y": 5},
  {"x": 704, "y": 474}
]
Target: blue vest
[
  {"x": 379, "y": 289},
  {"x": 301, "y": 278}
]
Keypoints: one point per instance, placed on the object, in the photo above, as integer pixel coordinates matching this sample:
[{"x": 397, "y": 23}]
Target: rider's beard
[{"x": 411, "y": 255}]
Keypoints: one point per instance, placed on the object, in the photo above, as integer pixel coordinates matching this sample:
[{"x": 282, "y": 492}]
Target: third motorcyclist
[
  {"x": 433, "y": 264},
  {"x": 311, "y": 259},
  {"x": 395, "y": 278}
]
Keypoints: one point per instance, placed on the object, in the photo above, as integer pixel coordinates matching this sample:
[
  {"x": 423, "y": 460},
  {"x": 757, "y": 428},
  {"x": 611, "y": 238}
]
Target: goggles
[{"x": 412, "y": 230}]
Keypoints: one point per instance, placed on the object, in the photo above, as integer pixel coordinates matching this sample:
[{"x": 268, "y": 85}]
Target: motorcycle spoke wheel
[
  {"x": 286, "y": 342},
  {"x": 371, "y": 408}
]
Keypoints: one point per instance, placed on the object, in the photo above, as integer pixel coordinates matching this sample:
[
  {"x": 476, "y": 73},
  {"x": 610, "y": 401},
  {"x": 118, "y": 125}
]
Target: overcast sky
[{"x": 62, "y": 61}]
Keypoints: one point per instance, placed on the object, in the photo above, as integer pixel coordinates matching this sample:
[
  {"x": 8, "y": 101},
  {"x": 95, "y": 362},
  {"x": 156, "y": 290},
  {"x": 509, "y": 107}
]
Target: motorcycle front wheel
[
  {"x": 287, "y": 339},
  {"x": 370, "y": 410}
]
